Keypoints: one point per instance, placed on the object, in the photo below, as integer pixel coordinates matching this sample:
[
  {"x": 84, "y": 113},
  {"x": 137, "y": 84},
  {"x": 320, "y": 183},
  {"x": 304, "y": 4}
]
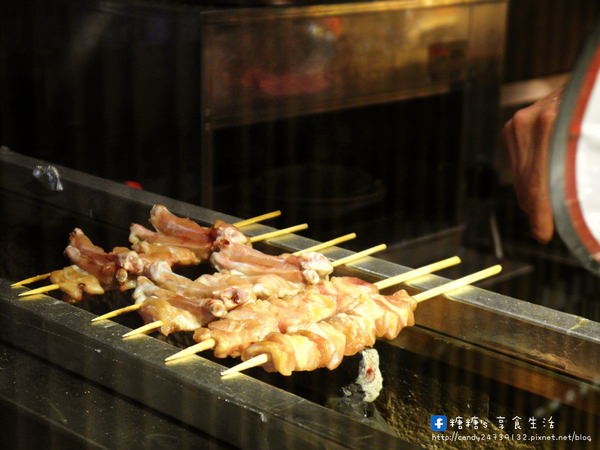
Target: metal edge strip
[
  {"x": 521, "y": 329},
  {"x": 244, "y": 411}
]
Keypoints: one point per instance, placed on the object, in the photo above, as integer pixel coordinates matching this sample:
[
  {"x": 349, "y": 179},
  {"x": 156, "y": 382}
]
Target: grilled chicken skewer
[
  {"x": 176, "y": 232},
  {"x": 324, "y": 343},
  {"x": 232, "y": 288},
  {"x": 270, "y": 286},
  {"x": 252, "y": 322},
  {"x": 308, "y": 267},
  {"x": 182, "y": 233},
  {"x": 178, "y": 313},
  {"x": 120, "y": 268}
]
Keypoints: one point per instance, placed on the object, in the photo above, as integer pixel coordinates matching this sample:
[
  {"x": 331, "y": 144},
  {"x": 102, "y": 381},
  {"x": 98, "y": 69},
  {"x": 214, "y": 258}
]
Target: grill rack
[{"x": 524, "y": 336}]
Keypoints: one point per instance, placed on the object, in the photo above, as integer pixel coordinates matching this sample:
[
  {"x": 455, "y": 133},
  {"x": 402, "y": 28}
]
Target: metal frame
[
  {"x": 241, "y": 410},
  {"x": 532, "y": 336},
  {"x": 508, "y": 325},
  {"x": 29, "y": 384}
]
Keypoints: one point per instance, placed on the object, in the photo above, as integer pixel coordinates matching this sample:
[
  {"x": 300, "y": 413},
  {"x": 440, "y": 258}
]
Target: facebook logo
[{"x": 439, "y": 423}]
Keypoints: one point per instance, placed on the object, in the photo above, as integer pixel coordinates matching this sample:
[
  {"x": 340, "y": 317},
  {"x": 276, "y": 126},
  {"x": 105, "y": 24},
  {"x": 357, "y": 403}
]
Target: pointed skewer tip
[
  {"x": 144, "y": 329},
  {"x": 40, "y": 290},
  {"x": 118, "y": 312},
  {"x": 31, "y": 280},
  {"x": 197, "y": 348},
  {"x": 256, "y": 361}
]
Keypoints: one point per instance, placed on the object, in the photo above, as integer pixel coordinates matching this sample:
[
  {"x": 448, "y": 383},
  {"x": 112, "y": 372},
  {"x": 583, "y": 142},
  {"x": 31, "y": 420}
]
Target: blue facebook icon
[{"x": 439, "y": 423}]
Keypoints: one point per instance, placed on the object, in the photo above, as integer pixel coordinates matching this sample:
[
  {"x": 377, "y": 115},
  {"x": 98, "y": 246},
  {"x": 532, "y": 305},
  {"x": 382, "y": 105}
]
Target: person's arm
[{"x": 527, "y": 138}]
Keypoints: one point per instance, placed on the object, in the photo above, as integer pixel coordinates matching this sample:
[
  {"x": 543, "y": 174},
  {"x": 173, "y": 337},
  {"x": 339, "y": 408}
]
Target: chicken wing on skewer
[
  {"x": 233, "y": 288},
  {"x": 175, "y": 312},
  {"x": 252, "y": 322},
  {"x": 309, "y": 267},
  {"x": 280, "y": 354},
  {"x": 347, "y": 333}
]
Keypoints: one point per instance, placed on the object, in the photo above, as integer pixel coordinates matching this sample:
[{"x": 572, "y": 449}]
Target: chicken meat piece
[
  {"x": 74, "y": 282},
  {"x": 177, "y": 312}
]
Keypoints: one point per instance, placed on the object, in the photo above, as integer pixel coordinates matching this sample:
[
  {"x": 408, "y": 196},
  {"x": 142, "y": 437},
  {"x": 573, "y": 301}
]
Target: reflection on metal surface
[
  {"x": 329, "y": 57},
  {"x": 98, "y": 353},
  {"x": 499, "y": 367},
  {"x": 49, "y": 177}
]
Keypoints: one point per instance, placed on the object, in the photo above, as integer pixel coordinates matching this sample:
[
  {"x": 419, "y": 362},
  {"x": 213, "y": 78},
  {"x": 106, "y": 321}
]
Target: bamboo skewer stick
[
  {"x": 192, "y": 350},
  {"x": 356, "y": 256},
  {"x": 118, "y": 312},
  {"x": 277, "y": 233},
  {"x": 40, "y": 290},
  {"x": 31, "y": 279},
  {"x": 149, "y": 327},
  {"x": 256, "y": 219},
  {"x": 327, "y": 244},
  {"x": 416, "y": 273},
  {"x": 239, "y": 224},
  {"x": 258, "y": 360},
  {"x": 445, "y": 288},
  {"x": 410, "y": 275}
]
